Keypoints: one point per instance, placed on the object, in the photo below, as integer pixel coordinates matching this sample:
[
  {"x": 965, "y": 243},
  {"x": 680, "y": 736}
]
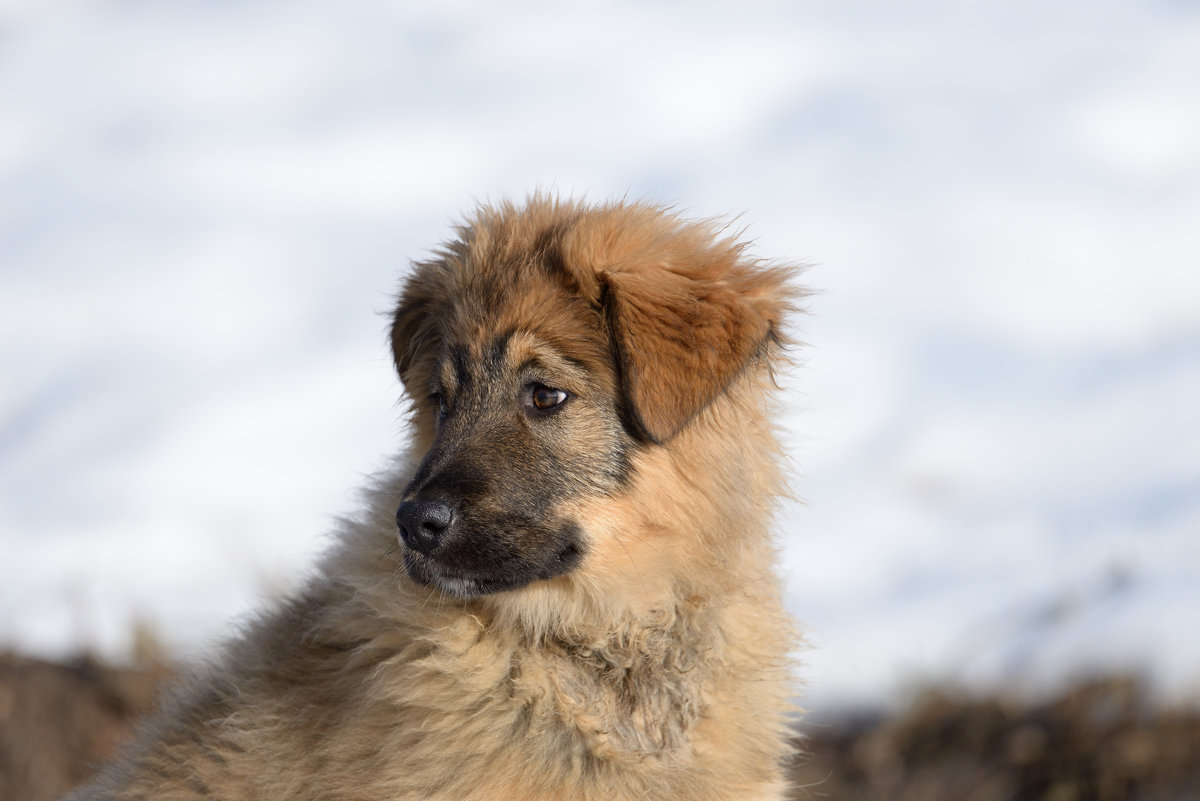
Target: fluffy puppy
[{"x": 566, "y": 590}]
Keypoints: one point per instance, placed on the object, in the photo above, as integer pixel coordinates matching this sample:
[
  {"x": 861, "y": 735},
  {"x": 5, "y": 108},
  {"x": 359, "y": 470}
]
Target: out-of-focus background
[{"x": 206, "y": 207}]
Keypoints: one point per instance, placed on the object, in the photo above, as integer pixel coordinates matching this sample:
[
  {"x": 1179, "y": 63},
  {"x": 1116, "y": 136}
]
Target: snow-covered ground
[{"x": 205, "y": 207}]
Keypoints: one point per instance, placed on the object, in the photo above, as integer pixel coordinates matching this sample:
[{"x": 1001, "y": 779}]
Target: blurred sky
[{"x": 205, "y": 208}]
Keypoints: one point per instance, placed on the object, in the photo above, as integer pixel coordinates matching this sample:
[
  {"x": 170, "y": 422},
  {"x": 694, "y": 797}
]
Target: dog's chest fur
[
  {"x": 488, "y": 713},
  {"x": 632, "y": 696}
]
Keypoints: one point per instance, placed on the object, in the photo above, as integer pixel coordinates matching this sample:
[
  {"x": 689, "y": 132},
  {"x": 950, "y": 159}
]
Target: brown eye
[
  {"x": 442, "y": 408},
  {"x": 547, "y": 398}
]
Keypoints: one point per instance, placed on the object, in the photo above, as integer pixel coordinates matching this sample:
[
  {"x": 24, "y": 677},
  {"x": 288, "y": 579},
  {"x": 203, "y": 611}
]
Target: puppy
[{"x": 566, "y": 590}]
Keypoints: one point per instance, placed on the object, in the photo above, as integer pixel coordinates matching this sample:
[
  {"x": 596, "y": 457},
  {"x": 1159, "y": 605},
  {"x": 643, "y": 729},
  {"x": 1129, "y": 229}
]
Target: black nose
[{"x": 422, "y": 524}]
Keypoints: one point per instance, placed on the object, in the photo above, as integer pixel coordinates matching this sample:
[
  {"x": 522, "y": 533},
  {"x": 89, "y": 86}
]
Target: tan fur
[{"x": 657, "y": 669}]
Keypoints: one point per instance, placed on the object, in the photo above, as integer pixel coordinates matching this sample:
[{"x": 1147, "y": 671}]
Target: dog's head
[{"x": 545, "y": 349}]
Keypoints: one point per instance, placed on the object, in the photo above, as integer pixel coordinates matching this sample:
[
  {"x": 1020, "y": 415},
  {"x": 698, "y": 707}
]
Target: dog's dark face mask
[{"x": 519, "y": 431}]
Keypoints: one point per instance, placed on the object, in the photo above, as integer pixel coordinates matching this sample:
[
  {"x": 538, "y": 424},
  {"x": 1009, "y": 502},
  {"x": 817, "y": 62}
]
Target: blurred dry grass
[
  {"x": 1100, "y": 741},
  {"x": 58, "y": 721}
]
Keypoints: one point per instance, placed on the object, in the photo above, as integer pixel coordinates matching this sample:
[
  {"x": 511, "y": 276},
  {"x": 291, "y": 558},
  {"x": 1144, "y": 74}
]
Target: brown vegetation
[
  {"x": 58, "y": 721},
  {"x": 1100, "y": 741}
]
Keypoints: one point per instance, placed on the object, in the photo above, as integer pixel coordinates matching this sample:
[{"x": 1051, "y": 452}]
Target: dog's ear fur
[
  {"x": 679, "y": 341},
  {"x": 412, "y": 330}
]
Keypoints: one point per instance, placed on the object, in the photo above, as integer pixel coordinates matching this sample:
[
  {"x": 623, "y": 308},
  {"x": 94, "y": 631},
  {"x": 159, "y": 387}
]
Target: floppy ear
[
  {"x": 410, "y": 332},
  {"x": 679, "y": 342}
]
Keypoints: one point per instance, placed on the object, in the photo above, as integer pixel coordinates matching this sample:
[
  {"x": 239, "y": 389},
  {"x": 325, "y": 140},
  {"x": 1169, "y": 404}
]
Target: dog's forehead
[
  {"x": 488, "y": 348},
  {"x": 503, "y": 303},
  {"x": 493, "y": 360},
  {"x": 502, "y": 347},
  {"x": 486, "y": 317},
  {"x": 562, "y": 336}
]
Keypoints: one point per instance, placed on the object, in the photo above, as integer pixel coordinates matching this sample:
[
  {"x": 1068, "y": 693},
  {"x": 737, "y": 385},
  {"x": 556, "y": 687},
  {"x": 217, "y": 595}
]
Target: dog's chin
[
  {"x": 466, "y": 570},
  {"x": 430, "y": 573}
]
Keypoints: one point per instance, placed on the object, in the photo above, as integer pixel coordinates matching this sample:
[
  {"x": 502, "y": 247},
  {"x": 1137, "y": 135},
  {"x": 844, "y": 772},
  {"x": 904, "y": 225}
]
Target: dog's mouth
[
  {"x": 430, "y": 572},
  {"x": 464, "y": 571}
]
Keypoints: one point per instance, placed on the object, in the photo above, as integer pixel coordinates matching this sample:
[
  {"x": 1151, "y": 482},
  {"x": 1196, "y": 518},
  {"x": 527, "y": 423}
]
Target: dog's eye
[
  {"x": 545, "y": 399},
  {"x": 442, "y": 408}
]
